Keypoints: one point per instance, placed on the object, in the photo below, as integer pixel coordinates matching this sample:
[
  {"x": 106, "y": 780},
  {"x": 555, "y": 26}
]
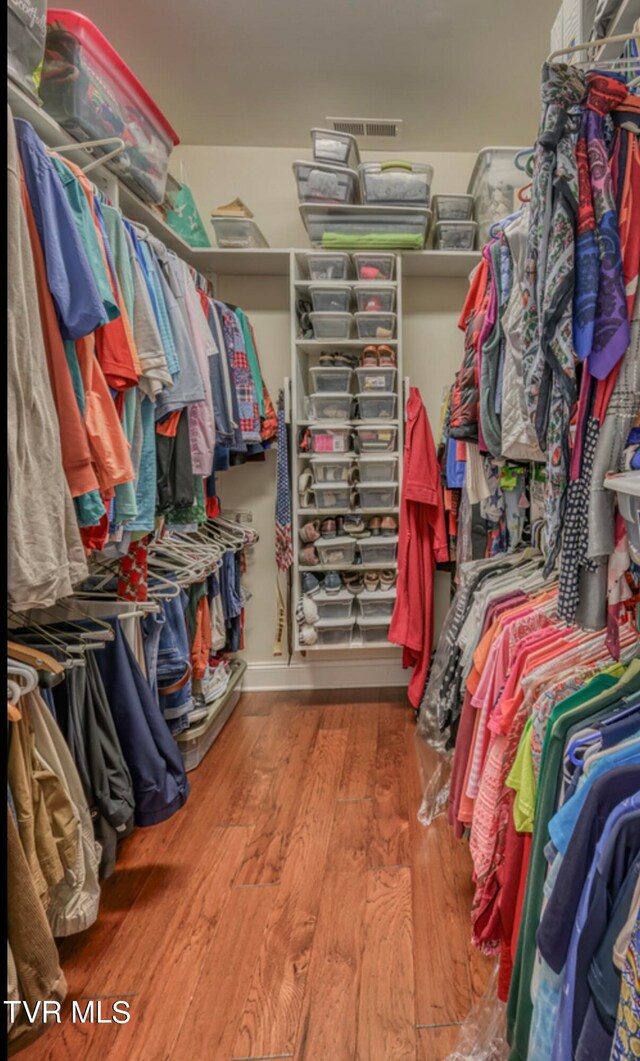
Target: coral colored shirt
[{"x": 422, "y": 543}]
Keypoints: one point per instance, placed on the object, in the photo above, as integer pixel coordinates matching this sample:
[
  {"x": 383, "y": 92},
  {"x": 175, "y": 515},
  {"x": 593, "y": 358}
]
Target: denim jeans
[{"x": 174, "y": 662}]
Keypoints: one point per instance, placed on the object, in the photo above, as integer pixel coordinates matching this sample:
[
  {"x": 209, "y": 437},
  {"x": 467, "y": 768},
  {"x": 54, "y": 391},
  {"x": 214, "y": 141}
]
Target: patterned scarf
[
  {"x": 548, "y": 358},
  {"x": 600, "y": 320}
]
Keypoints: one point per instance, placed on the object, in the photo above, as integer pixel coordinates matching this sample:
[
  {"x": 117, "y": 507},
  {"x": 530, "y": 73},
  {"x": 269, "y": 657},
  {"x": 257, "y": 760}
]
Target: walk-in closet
[{"x": 323, "y": 531}]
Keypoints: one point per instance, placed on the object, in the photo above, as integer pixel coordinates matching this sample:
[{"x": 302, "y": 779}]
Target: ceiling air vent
[{"x": 366, "y": 127}]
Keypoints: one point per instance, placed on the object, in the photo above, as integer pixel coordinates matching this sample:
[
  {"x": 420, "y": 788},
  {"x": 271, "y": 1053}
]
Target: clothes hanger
[
  {"x": 23, "y": 670},
  {"x": 14, "y": 692},
  {"x": 40, "y": 661}
]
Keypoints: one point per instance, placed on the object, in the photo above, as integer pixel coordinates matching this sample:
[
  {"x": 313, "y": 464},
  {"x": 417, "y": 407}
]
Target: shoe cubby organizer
[{"x": 346, "y": 412}]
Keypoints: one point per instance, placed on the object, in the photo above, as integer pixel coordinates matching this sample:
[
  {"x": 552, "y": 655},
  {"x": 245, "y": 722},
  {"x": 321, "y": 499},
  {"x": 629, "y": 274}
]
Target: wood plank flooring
[{"x": 295, "y": 908}]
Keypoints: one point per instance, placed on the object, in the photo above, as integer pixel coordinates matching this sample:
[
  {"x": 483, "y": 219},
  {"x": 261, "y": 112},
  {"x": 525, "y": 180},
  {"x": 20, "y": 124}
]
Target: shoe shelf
[{"x": 305, "y": 352}]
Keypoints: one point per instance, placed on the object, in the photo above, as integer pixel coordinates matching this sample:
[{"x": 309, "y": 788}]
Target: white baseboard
[{"x": 324, "y": 674}]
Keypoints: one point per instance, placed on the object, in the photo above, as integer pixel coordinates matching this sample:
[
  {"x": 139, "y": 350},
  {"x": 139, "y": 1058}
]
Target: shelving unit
[{"x": 304, "y": 353}]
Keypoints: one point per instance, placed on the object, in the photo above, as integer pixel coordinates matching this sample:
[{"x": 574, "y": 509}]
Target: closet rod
[{"x": 590, "y": 45}]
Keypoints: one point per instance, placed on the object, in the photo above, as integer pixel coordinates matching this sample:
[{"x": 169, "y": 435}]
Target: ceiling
[{"x": 460, "y": 73}]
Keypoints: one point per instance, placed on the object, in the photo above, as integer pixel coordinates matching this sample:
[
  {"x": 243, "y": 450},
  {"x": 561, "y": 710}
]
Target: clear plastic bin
[
  {"x": 378, "y": 605},
  {"x": 334, "y": 605},
  {"x": 92, "y": 93},
  {"x": 320, "y": 182},
  {"x": 330, "y": 439},
  {"x": 396, "y": 183},
  {"x": 336, "y": 552},
  {"x": 327, "y": 406},
  {"x": 374, "y": 405},
  {"x": 330, "y": 299},
  {"x": 239, "y": 232},
  {"x": 331, "y": 469},
  {"x": 381, "y": 378},
  {"x": 376, "y": 325},
  {"x": 379, "y": 550},
  {"x": 453, "y": 207},
  {"x": 378, "y": 469},
  {"x": 373, "y": 630},
  {"x": 332, "y": 495},
  {"x": 376, "y": 439},
  {"x": 334, "y": 631},
  {"x": 375, "y": 298},
  {"x": 338, "y": 148},
  {"x": 328, "y": 266},
  {"x": 494, "y": 185},
  {"x": 378, "y": 495},
  {"x": 374, "y": 266},
  {"x": 455, "y": 235},
  {"x": 332, "y": 378},
  {"x": 194, "y": 743},
  {"x": 26, "y": 33},
  {"x": 331, "y": 325},
  {"x": 338, "y": 227}
]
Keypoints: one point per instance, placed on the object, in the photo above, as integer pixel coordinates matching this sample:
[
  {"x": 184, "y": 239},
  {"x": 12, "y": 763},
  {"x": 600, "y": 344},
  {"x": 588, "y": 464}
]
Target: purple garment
[{"x": 601, "y": 324}]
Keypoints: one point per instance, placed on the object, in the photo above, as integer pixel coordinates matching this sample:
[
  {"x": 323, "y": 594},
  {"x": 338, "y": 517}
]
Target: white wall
[{"x": 432, "y": 352}]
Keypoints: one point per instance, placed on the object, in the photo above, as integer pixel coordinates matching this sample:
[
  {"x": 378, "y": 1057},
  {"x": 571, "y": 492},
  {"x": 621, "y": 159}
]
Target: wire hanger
[{"x": 621, "y": 38}]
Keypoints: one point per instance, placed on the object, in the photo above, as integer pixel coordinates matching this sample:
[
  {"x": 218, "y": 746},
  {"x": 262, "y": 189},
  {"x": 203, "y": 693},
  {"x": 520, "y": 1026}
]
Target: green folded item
[{"x": 374, "y": 241}]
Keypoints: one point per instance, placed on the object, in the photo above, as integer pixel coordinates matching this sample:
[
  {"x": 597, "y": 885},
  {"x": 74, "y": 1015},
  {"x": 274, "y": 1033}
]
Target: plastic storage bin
[
  {"x": 396, "y": 183},
  {"x": 373, "y": 630},
  {"x": 331, "y": 469},
  {"x": 334, "y": 605},
  {"x": 376, "y": 325},
  {"x": 26, "y": 34},
  {"x": 327, "y": 406},
  {"x": 328, "y": 266},
  {"x": 376, "y": 379},
  {"x": 404, "y": 228},
  {"x": 331, "y": 495},
  {"x": 330, "y": 439},
  {"x": 376, "y": 439},
  {"x": 330, "y": 299},
  {"x": 378, "y": 469},
  {"x": 319, "y": 182},
  {"x": 333, "y": 378},
  {"x": 336, "y": 552},
  {"x": 453, "y": 207},
  {"x": 334, "y": 632},
  {"x": 93, "y": 94},
  {"x": 455, "y": 235},
  {"x": 240, "y": 232},
  {"x": 376, "y": 405},
  {"x": 378, "y": 605},
  {"x": 374, "y": 266},
  {"x": 375, "y": 298},
  {"x": 378, "y": 495},
  {"x": 194, "y": 743},
  {"x": 494, "y": 185},
  {"x": 340, "y": 149},
  {"x": 331, "y": 325},
  {"x": 379, "y": 550}
]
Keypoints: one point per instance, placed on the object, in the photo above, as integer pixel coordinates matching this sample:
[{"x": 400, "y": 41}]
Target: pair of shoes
[
  {"x": 310, "y": 584},
  {"x": 383, "y": 525},
  {"x": 332, "y": 582},
  {"x": 309, "y": 556},
  {"x": 353, "y": 582},
  {"x": 328, "y": 528},
  {"x": 356, "y": 527},
  {"x": 307, "y": 611},
  {"x": 308, "y": 634},
  {"x": 338, "y": 358},
  {"x": 382, "y": 580},
  {"x": 310, "y": 532},
  {"x": 374, "y": 356},
  {"x": 305, "y": 480}
]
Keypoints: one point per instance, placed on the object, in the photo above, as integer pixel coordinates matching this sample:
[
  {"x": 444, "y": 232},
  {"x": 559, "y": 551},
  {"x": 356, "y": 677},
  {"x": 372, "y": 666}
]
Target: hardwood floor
[{"x": 295, "y": 908}]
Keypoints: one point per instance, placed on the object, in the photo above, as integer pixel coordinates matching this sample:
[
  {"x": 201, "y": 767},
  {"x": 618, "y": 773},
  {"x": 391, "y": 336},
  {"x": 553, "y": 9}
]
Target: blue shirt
[{"x": 71, "y": 283}]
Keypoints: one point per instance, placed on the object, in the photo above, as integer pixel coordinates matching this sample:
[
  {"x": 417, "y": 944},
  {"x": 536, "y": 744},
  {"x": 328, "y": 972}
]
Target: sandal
[
  {"x": 353, "y": 582},
  {"x": 387, "y": 357},
  {"x": 355, "y": 526},
  {"x": 327, "y": 358},
  {"x": 389, "y": 526},
  {"x": 328, "y": 528},
  {"x": 371, "y": 581},
  {"x": 369, "y": 357},
  {"x": 310, "y": 532},
  {"x": 388, "y": 579}
]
